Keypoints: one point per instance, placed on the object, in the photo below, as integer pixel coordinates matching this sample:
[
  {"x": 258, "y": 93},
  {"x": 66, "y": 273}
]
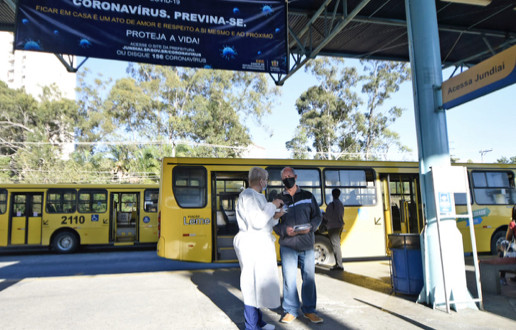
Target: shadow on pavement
[
  {"x": 18, "y": 266},
  {"x": 503, "y": 304},
  {"x": 406, "y": 319},
  {"x": 219, "y": 285},
  {"x": 382, "y": 285}
]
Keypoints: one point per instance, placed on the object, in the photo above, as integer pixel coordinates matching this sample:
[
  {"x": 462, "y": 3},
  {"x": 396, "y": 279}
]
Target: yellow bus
[
  {"x": 493, "y": 194},
  {"x": 64, "y": 217},
  {"x": 198, "y": 196}
]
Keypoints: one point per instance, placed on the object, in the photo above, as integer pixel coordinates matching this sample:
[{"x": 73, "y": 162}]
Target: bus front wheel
[
  {"x": 496, "y": 236},
  {"x": 65, "y": 242},
  {"x": 323, "y": 251}
]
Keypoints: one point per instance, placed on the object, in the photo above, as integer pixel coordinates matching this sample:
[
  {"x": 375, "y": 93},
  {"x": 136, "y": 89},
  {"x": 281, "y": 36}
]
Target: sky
[{"x": 486, "y": 124}]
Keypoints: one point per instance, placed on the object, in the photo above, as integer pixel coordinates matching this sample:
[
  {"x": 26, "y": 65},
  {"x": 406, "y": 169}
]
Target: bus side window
[
  {"x": 307, "y": 179},
  {"x": 356, "y": 186},
  {"x": 3, "y": 201},
  {"x": 20, "y": 205},
  {"x": 189, "y": 186},
  {"x": 51, "y": 208},
  {"x": 151, "y": 200},
  {"x": 61, "y": 200},
  {"x": 492, "y": 187},
  {"x": 92, "y": 201}
]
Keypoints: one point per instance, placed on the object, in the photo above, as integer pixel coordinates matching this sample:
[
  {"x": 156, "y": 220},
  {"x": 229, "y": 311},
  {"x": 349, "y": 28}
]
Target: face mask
[
  {"x": 289, "y": 182},
  {"x": 264, "y": 187}
]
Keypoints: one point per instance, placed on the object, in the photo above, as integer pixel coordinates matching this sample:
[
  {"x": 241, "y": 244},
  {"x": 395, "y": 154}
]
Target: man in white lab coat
[{"x": 254, "y": 246}]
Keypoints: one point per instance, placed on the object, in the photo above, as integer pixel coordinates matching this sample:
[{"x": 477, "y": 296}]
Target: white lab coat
[{"x": 254, "y": 246}]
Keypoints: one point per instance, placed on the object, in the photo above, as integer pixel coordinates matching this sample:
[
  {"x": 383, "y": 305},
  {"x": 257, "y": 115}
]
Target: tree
[
  {"x": 325, "y": 109},
  {"x": 331, "y": 114},
  {"x": 184, "y": 112},
  {"x": 35, "y": 134},
  {"x": 195, "y": 106},
  {"x": 505, "y": 160},
  {"x": 382, "y": 79},
  {"x": 298, "y": 144},
  {"x": 17, "y": 110}
]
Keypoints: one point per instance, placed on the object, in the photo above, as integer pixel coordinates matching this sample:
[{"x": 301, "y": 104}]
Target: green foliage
[
  {"x": 505, "y": 160},
  {"x": 332, "y": 117},
  {"x": 17, "y": 118},
  {"x": 154, "y": 112}
]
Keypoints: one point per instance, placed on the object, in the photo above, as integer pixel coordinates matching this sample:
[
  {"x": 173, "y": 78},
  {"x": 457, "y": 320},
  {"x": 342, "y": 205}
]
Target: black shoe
[{"x": 337, "y": 267}]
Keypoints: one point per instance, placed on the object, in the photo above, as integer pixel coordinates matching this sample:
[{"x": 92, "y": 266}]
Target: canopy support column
[{"x": 433, "y": 149}]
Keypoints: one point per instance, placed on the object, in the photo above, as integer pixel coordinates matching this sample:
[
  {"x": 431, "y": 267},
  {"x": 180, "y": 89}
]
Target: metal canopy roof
[{"x": 376, "y": 29}]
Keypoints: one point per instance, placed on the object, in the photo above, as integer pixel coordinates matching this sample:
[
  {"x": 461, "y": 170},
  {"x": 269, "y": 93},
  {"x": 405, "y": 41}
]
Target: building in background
[{"x": 33, "y": 70}]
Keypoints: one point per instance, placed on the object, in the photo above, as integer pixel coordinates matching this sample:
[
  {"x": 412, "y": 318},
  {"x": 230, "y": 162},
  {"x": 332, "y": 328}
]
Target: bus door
[
  {"x": 25, "y": 219},
  {"x": 124, "y": 215},
  {"x": 402, "y": 202},
  {"x": 226, "y": 189}
]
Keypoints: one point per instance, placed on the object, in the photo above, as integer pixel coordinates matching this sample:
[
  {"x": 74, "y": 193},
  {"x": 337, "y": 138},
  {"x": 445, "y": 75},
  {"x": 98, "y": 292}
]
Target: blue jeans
[
  {"x": 290, "y": 259},
  {"x": 253, "y": 318}
]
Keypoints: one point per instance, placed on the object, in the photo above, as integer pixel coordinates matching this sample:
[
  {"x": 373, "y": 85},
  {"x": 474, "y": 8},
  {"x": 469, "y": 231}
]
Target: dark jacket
[
  {"x": 334, "y": 216},
  {"x": 302, "y": 209}
]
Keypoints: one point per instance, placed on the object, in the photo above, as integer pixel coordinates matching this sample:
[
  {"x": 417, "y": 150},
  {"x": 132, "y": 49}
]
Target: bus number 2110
[{"x": 72, "y": 219}]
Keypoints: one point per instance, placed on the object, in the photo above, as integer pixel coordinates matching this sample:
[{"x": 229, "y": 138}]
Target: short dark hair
[{"x": 335, "y": 193}]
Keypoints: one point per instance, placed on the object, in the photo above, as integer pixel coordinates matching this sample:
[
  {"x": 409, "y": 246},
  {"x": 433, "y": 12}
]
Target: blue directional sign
[{"x": 220, "y": 34}]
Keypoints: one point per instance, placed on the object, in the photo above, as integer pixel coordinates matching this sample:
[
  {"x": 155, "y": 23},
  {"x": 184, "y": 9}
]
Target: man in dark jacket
[
  {"x": 296, "y": 238},
  {"x": 334, "y": 218}
]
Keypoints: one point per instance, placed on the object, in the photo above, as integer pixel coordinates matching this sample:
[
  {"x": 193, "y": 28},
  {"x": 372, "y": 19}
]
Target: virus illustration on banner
[
  {"x": 236, "y": 11},
  {"x": 266, "y": 10},
  {"x": 229, "y": 53},
  {"x": 84, "y": 43},
  {"x": 32, "y": 45}
]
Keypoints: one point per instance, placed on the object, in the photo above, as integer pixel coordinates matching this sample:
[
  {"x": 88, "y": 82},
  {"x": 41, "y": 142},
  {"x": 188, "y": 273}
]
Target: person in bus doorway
[
  {"x": 296, "y": 238},
  {"x": 254, "y": 246},
  {"x": 507, "y": 247},
  {"x": 334, "y": 219}
]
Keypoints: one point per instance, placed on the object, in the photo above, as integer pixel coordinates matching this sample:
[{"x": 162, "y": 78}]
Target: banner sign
[
  {"x": 219, "y": 34},
  {"x": 490, "y": 75}
]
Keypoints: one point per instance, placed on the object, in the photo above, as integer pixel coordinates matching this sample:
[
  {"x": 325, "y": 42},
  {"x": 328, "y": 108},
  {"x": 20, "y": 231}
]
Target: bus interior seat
[
  {"x": 221, "y": 218},
  {"x": 229, "y": 215},
  {"x": 134, "y": 217},
  {"x": 123, "y": 218},
  {"x": 412, "y": 208},
  {"x": 224, "y": 213},
  {"x": 51, "y": 208},
  {"x": 396, "y": 217}
]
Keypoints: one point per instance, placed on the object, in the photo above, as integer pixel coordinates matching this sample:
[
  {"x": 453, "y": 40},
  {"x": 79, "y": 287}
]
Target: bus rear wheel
[
  {"x": 65, "y": 242},
  {"x": 496, "y": 236},
  {"x": 323, "y": 251}
]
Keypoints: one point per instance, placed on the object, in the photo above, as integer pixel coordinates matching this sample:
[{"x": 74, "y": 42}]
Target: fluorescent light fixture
[{"x": 471, "y": 2}]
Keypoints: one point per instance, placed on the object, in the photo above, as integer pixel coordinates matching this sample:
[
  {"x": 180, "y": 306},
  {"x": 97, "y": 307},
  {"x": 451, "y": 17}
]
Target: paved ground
[{"x": 359, "y": 298}]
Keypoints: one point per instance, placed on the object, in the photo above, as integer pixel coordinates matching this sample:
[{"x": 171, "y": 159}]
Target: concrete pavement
[{"x": 359, "y": 298}]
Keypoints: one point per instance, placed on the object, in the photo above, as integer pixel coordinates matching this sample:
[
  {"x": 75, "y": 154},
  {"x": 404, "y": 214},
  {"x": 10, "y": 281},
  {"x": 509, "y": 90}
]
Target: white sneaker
[{"x": 268, "y": 327}]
